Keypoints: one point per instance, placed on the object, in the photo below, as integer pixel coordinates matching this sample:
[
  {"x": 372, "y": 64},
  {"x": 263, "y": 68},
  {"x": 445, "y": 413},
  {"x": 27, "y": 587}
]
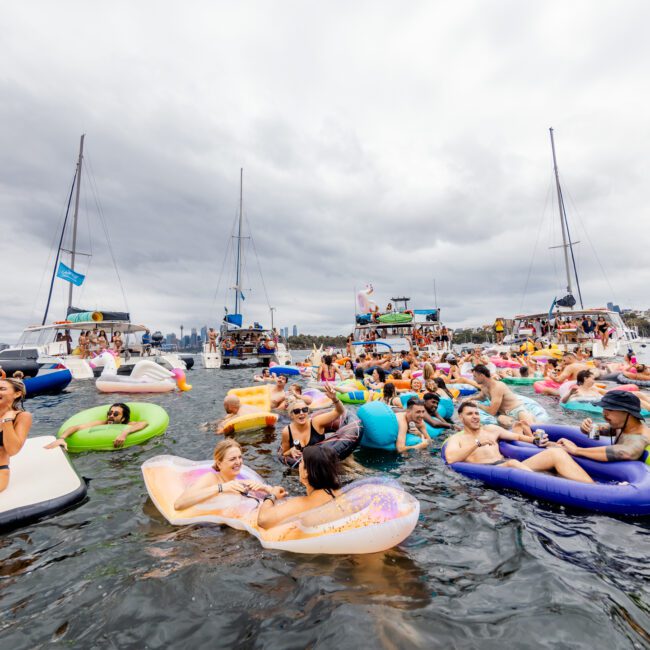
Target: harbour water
[{"x": 482, "y": 569}]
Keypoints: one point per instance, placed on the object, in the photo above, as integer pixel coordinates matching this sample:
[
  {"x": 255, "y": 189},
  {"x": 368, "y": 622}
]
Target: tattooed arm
[{"x": 629, "y": 447}]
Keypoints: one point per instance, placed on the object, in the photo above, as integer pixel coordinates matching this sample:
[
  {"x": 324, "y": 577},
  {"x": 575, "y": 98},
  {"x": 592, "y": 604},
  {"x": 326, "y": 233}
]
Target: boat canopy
[{"x": 394, "y": 345}]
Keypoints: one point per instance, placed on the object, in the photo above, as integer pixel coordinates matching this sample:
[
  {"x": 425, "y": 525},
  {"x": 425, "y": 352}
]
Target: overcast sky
[{"x": 386, "y": 142}]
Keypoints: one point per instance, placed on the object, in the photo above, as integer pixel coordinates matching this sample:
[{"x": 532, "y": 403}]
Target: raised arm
[{"x": 15, "y": 432}]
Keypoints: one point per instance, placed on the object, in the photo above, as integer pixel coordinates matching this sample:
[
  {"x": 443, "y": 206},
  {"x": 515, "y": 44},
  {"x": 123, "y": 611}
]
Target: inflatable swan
[{"x": 146, "y": 377}]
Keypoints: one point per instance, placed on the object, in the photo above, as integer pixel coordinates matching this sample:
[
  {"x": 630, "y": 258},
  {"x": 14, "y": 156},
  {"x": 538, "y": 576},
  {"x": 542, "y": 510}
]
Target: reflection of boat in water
[
  {"x": 562, "y": 325},
  {"x": 398, "y": 327},
  {"x": 57, "y": 344},
  {"x": 236, "y": 343}
]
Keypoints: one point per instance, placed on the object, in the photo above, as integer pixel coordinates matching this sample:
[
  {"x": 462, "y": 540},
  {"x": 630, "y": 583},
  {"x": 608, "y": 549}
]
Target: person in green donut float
[{"x": 118, "y": 413}]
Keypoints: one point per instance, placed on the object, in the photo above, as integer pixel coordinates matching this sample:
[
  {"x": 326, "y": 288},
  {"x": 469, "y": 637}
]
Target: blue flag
[
  {"x": 550, "y": 311},
  {"x": 66, "y": 273}
]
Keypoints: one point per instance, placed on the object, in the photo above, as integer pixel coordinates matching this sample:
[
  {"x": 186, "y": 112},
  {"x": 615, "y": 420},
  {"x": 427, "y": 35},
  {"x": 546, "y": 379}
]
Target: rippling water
[{"x": 482, "y": 569}]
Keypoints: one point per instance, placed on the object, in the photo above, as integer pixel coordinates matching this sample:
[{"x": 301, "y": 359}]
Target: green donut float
[
  {"x": 101, "y": 438},
  {"x": 520, "y": 381}
]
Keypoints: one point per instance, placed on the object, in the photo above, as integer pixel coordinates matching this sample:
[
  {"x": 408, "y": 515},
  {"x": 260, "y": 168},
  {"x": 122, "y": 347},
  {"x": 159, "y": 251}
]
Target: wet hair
[
  {"x": 523, "y": 371},
  {"x": 322, "y": 466},
  {"x": 18, "y": 374},
  {"x": 381, "y": 373},
  {"x": 359, "y": 374},
  {"x": 428, "y": 396},
  {"x": 440, "y": 382},
  {"x": 397, "y": 374},
  {"x": 428, "y": 371},
  {"x": 221, "y": 449},
  {"x": 327, "y": 359},
  {"x": 126, "y": 412},
  {"x": 581, "y": 376},
  {"x": 414, "y": 401},
  {"x": 389, "y": 390},
  {"x": 480, "y": 369},
  {"x": 19, "y": 387},
  {"x": 552, "y": 362},
  {"x": 467, "y": 404}
]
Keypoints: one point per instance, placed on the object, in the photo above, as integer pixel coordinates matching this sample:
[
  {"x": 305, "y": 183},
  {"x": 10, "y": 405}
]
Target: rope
[
  {"x": 93, "y": 185},
  {"x": 532, "y": 259}
]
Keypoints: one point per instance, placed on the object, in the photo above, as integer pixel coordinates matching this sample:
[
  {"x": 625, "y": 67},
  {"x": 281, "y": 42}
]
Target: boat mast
[
  {"x": 238, "y": 278},
  {"x": 75, "y": 218},
  {"x": 567, "y": 244}
]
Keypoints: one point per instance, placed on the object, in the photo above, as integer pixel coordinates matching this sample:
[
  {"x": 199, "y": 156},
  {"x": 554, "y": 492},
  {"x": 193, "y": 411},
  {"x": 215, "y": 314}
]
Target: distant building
[
  {"x": 186, "y": 341},
  {"x": 194, "y": 338},
  {"x": 612, "y": 307},
  {"x": 285, "y": 332},
  {"x": 295, "y": 330}
]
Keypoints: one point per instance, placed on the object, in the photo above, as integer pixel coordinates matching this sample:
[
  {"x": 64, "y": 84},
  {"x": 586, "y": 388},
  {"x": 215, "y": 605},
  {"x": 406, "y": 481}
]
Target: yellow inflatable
[
  {"x": 250, "y": 422},
  {"x": 553, "y": 351},
  {"x": 258, "y": 396}
]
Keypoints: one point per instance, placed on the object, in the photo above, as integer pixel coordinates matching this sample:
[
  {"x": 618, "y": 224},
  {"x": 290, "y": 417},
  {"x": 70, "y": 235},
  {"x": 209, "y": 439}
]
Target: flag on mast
[{"x": 66, "y": 273}]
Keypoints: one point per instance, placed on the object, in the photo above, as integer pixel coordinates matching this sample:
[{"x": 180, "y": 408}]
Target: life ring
[
  {"x": 228, "y": 345},
  {"x": 269, "y": 344}
]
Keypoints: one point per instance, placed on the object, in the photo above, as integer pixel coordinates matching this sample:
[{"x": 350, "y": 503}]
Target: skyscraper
[
  {"x": 194, "y": 339},
  {"x": 295, "y": 330}
]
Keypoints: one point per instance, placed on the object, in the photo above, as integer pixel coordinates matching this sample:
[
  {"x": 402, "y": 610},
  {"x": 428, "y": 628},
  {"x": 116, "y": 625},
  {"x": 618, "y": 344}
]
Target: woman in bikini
[
  {"x": 328, "y": 371},
  {"x": 15, "y": 424}
]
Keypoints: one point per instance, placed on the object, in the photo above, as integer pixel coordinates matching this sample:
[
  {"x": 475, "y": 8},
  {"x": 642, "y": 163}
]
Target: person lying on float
[
  {"x": 233, "y": 407},
  {"x": 303, "y": 430},
  {"x": 479, "y": 444},
  {"x": 622, "y": 411},
  {"x": 319, "y": 474},
  {"x": 224, "y": 479},
  {"x": 118, "y": 413}
]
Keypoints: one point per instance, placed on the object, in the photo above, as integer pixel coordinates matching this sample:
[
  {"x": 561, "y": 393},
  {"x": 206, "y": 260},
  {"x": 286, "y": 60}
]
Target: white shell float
[{"x": 146, "y": 377}]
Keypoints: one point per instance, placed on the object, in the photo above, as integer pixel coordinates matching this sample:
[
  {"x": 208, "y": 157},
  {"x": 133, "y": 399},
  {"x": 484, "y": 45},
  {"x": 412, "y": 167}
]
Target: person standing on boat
[
  {"x": 625, "y": 424},
  {"x": 212, "y": 340},
  {"x": 499, "y": 330},
  {"x": 15, "y": 424}
]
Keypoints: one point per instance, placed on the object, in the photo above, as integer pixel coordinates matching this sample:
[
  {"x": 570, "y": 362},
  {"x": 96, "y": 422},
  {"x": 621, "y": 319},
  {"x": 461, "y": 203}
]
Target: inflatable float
[
  {"x": 380, "y": 427},
  {"x": 289, "y": 371},
  {"x": 343, "y": 436},
  {"x": 146, "y": 377},
  {"x": 520, "y": 381},
  {"x": 538, "y": 411},
  {"x": 463, "y": 389},
  {"x": 620, "y": 488},
  {"x": 369, "y": 516},
  {"x": 622, "y": 379},
  {"x": 42, "y": 483},
  {"x": 589, "y": 407},
  {"x": 504, "y": 363},
  {"x": 250, "y": 422},
  {"x": 258, "y": 396},
  {"x": 47, "y": 383},
  {"x": 319, "y": 399},
  {"x": 100, "y": 438}
]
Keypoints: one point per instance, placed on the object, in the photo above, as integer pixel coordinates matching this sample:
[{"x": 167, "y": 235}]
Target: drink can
[
  {"x": 538, "y": 436},
  {"x": 594, "y": 434}
]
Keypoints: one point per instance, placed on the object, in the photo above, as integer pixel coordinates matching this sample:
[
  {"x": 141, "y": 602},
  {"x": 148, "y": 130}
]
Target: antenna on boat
[
  {"x": 238, "y": 278},
  {"x": 567, "y": 244}
]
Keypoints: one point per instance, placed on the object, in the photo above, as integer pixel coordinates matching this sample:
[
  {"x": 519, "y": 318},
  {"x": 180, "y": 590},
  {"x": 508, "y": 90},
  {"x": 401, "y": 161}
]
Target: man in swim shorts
[
  {"x": 212, "y": 340},
  {"x": 118, "y": 413},
  {"x": 479, "y": 444},
  {"x": 622, "y": 411},
  {"x": 504, "y": 404}
]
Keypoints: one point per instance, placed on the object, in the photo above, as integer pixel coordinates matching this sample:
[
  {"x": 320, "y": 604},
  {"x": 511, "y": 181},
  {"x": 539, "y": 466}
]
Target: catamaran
[
  {"x": 53, "y": 345},
  {"x": 236, "y": 343},
  {"x": 561, "y": 325}
]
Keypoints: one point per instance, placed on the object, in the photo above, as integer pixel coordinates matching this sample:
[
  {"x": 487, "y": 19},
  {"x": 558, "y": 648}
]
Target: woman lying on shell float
[{"x": 318, "y": 473}]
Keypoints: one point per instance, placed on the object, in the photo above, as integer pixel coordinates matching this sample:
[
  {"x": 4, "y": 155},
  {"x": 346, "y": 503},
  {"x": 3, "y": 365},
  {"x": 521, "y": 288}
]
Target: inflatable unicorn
[
  {"x": 364, "y": 304},
  {"x": 146, "y": 377}
]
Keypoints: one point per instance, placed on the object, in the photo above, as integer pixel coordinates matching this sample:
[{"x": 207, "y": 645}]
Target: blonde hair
[
  {"x": 428, "y": 371},
  {"x": 18, "y": 387},
  {"x": 221, "y": 449}
]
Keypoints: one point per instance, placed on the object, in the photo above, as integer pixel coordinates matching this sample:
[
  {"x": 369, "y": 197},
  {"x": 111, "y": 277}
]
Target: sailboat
[
  {"x": 561, "y": 325},
  {"x": 235, "y": 343},
  {"x": 56, "y": 344}
]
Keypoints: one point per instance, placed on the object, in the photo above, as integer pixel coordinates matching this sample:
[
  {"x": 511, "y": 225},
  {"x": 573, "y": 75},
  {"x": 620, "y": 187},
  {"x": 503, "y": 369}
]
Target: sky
[{"x": 401, "y": 144}]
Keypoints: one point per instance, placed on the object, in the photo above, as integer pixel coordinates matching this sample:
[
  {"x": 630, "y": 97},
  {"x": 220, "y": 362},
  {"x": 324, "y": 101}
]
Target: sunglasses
[
  {"x": 116, "y": 413},
  {"x": 304, "y": 409}
]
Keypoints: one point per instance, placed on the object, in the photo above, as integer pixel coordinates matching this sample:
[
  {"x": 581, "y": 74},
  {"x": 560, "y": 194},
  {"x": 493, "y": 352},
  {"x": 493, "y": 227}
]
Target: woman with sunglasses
[
  {"x": 117, "y": 414},
  {"x": 303, "y": 430},
  {"x": 14, "y": 424}
]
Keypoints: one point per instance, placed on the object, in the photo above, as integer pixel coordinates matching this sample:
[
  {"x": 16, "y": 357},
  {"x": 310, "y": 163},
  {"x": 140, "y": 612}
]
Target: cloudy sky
[{"x": 386, "y": 142}]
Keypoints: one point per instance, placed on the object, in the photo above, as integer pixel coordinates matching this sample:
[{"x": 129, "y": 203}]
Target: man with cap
[{"x": 622, "y": 411}]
